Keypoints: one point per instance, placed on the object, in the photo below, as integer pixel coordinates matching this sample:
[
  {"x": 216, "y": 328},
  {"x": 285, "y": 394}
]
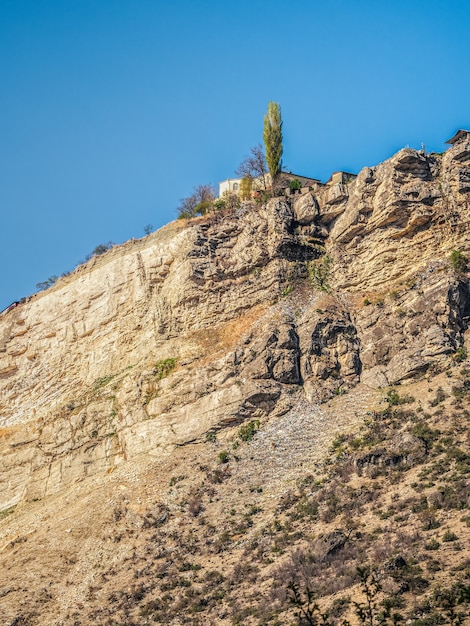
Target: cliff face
[
  {"x": 207, "y": 323},
  {"x": 401, "y": 212}
]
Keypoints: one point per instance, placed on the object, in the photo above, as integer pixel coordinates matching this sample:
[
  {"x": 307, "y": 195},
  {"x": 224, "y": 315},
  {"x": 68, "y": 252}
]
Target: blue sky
[{"x": 113, "y": 110}]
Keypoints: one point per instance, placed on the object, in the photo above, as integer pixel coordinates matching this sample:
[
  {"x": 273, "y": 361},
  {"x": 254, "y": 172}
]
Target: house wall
[
  {"x": 231, "y": 185},
  {"x": 340, "y": 177}
]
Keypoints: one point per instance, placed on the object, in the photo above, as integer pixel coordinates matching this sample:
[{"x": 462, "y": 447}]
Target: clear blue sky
[{"x": 112, "y": 110}]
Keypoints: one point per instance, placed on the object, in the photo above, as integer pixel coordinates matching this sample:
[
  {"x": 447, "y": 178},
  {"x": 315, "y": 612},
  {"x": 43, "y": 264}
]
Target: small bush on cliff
[
  {"x": 319, "y": 273},
  {"x": 211, "y": 436},
  {"x": 460, "y": 355},
  {"x": 229, "y": 201},
  {"x": 394, "y": 399},
  {"x": 102, "y": 381},
  {"x": 224, "y": 456},
  {"x": 449, "y": 536},
  {"x": 458, "y": 261},
  {"x": 47, "y": 283},
  {"x": 163, "y": 368},
  {"x": 295, "y": 184},
  {"x": 100, "y": 249},
  {"x": 247, "y": 431}
]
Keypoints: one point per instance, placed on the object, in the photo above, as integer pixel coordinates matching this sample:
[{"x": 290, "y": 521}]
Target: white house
[{"x": 231, "y": 185}]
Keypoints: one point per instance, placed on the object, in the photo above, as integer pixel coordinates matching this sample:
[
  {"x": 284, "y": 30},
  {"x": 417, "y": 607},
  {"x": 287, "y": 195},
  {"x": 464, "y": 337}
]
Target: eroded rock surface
[{"x": 244, "y": 311}]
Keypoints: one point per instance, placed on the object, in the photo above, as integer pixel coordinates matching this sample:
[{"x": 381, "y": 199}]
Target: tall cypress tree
[{"x": 272, "y": 136}]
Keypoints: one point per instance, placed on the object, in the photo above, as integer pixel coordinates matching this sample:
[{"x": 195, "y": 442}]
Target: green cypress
[{"x": 272, "y": 136}]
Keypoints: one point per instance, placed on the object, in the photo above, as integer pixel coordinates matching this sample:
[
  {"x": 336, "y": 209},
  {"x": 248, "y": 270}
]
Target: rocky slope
[{"x": 169, "y": 343}]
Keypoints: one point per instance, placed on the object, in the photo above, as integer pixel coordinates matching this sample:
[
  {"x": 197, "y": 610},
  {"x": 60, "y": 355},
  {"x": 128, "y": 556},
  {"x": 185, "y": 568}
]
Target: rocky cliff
[
  {"x": 216, "y": 423},
  {"x": 209, "y": 322}
]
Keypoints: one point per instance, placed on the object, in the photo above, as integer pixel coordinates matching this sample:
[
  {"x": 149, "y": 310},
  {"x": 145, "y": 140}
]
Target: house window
[{"x": 235, "y": 186}]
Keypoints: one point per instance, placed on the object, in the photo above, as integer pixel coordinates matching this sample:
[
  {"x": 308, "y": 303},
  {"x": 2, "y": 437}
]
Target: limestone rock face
[
  {"x": 79, "y": 392},
  {"x": 422, "y": 323},
  {"x": 224, "y": 318},
  {"x": 126, "y": 305},
  {"x": 330, "y": 357},
  {"x": 306, "y": 208},
  {"x": 401, "y": 212}
]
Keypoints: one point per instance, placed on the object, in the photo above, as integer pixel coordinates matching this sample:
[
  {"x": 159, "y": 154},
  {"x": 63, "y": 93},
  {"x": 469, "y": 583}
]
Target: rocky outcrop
[
  {"x": 133, "y": 303},
  {"x": 398, "y": 217},
  {"x": 77, "y": 363},
  {"x": 405, "y": 449},
  {"x": 406, "y": 332},
  {"x": 312, "y": 293},
  {"x": 330, "y": 357}
]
